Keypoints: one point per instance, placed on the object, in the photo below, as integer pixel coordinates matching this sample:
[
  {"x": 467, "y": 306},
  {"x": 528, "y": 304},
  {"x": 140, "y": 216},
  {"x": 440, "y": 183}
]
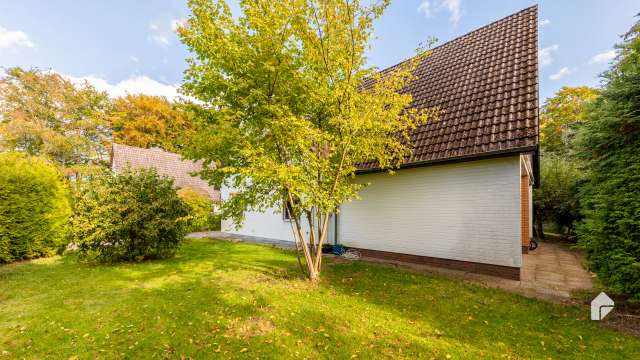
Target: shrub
[
  {"x": 135, "y": 215},
  {"x": 34, "y": 207},
  {"x": 201, "y": 216}
]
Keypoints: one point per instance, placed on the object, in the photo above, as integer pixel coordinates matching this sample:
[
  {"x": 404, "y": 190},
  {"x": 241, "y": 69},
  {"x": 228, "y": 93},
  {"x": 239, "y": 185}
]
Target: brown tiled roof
[
  {"x": 486, "y": 85},
  {"x": 166, "y": 163}
]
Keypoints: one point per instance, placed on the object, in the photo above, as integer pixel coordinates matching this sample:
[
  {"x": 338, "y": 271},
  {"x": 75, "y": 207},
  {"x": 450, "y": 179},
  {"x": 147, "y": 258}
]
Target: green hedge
[
  {"x": 34, "y": 207},
  {"x": 135, "y": 215},
  {"x": 610, "y": 146}
]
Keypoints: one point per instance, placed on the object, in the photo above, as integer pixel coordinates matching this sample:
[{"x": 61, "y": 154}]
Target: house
[
  {"x": 166, "y": 163},
  {"x": 462, "y": 200}
]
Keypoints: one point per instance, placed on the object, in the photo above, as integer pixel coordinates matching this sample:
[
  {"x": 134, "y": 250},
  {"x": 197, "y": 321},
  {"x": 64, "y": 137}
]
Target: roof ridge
[{"x": 535, "y": 6}]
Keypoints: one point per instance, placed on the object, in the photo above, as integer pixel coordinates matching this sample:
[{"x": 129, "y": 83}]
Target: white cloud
[
  {"x": 132, "y": 85},
  {"x": 544, "y": 22},
  {"x": 161, "y": 40},
  {"x": 134, "y": 59},
  {"x": 603, "y": 57},
  {"x": 14, "y": 39},
  {"x": 545, "y": 55},
  {"x": 452, "y": 6},
  {"x": 163, "y": 32},
  {"x": 561, "y": 73},
  {"x": 425, "y": 8}
]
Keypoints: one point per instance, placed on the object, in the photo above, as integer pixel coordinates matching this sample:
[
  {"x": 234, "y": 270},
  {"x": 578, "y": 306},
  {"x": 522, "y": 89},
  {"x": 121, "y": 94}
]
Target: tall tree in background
[
  {"x": 292, "y": 108},
  {"x": 561, "y": 114},
  {"x": 556, "y": 200},
  {"x": 41, "y": 113},
  {"x": 609, "y": 143},
  {"x": 149, "y": 121}
]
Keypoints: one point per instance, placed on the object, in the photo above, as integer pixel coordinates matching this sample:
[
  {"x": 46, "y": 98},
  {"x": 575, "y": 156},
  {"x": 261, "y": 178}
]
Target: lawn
[{"x": 234, "y": 300}]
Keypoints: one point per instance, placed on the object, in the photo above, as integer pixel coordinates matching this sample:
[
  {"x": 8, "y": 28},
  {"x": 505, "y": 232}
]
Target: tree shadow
[{"x": 475, "y": 317}]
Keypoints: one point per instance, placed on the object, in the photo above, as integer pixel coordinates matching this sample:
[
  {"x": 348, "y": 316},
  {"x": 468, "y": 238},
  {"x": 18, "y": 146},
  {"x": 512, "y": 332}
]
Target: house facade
[{"x": 462, "y": 199}]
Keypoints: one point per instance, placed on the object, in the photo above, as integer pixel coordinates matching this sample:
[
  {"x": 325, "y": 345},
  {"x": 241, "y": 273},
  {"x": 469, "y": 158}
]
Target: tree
[
  {"x": 560, "y": 115},
  {"x": 149, "y": 121},
  {"x": 292, "y": 108},
  {"x": 609, "y": 143},
  {"x": 556, "y": 200},
  {"x": 557, "y": 197},
  {"x": 41, "y": 113},
  {"x": 34, "y": 207}
]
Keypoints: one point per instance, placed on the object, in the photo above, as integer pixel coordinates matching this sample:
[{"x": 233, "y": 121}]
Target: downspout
[{"x": 335, "y": 226}]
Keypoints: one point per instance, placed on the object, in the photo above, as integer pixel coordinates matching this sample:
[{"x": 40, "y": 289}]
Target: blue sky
[{"x": 130, "y": 46}]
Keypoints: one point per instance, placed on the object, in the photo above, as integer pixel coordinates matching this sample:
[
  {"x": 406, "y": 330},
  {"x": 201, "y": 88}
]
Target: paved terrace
[{"x": 550, "y": 272}]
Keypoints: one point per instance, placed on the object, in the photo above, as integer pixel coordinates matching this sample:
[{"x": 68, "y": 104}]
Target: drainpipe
[{"x": 335, "y": 227}]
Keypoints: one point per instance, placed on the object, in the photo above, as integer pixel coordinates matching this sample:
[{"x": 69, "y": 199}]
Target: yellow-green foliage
[
  {"x": 134, "y": 215},
  {"x": 201, "y": 216},
  {"x": 34, "y": 207},
  {"x": 291, "y": 106},
  {"x": 42, "y": 113}
]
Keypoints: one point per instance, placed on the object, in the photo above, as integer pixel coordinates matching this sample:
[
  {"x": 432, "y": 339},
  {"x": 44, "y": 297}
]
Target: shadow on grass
[
  {"x": 218, "y": 298},
  {"x": 476, "y": 317}
]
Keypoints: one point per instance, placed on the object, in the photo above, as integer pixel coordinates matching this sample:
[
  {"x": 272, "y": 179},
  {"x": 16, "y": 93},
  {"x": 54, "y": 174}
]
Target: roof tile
[
  {"x": 486, "y": 84},
  {"x": 166, "y": 163}
]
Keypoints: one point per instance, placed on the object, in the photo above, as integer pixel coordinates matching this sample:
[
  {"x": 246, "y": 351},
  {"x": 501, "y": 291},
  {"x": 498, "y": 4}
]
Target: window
[{"x": 287, "y": 213}]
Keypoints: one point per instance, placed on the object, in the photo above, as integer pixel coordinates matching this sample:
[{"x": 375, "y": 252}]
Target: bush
[
  {"x": 34, "y": 207},
  {"x": 135, "y": 215},
  {"x": 201, "y": 216}
]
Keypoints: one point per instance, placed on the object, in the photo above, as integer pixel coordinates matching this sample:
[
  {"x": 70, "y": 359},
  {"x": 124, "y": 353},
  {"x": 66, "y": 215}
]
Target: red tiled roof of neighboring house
[
  {"x": 166, "y": 163},
  {"x": 486, "y": 85}
]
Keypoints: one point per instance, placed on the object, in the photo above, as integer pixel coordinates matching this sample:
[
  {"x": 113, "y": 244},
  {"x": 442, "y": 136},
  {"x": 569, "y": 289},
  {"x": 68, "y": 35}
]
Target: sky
[{"x": 123, "y": 46}]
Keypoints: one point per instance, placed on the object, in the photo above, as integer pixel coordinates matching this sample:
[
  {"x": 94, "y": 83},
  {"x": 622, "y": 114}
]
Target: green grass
[{"x": 223, "y": 299}]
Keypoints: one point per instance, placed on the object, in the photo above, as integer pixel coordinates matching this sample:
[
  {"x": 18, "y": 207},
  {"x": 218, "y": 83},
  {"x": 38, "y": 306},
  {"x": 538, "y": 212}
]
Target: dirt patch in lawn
[{"x": 252, "y": 326}]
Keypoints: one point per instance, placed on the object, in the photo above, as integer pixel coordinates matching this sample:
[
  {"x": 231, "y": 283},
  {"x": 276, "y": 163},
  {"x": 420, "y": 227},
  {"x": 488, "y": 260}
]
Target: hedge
[{"x": 34, "y": 207}]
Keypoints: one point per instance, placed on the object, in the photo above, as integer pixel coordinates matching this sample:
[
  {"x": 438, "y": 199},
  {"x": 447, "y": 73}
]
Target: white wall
[
  {"x": 268, "y": 224},
  {"x": 466, "y": 211}
]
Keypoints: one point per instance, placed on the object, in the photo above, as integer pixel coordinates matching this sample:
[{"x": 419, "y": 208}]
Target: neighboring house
[
  {"x": 165, "y": 163},
  {"x": 462, "y": 200}
]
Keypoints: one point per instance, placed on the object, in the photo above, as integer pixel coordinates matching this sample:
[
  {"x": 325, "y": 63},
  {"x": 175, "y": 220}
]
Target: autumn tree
[
  {"x": 42, "y": 113},
  {"x": 149, "y": 121},
  {"x": 292, "y": 107},
  {"x": 556, "y": 200},
  {"x": 561, "y": 114}
]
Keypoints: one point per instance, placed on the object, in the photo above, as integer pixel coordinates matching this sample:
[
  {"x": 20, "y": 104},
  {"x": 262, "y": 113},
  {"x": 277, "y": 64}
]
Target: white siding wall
[
  {"x": 268, "y": 224},
  {"x": 466, "y": 211}
]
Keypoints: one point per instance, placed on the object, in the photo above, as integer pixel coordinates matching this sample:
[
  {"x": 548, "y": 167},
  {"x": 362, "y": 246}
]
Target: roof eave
[{"x": 464, "y": 158}]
